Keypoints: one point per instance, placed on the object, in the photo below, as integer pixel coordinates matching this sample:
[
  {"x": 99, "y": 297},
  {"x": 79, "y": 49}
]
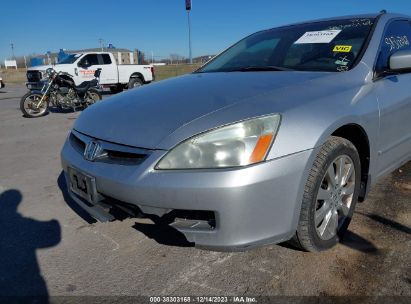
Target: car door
[
  {"x": 109, "y": 69},
  {"x": 394, "y": 98},
  {"x": 86, "y": 68}
]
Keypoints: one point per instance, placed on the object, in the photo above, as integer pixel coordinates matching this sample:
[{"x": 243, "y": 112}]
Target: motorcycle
[{"x": 62, "y": 93}]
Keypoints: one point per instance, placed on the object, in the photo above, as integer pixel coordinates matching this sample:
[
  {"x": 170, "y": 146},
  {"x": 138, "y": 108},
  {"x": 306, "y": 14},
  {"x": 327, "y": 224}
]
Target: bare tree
[{"x": 176, "y": 58}]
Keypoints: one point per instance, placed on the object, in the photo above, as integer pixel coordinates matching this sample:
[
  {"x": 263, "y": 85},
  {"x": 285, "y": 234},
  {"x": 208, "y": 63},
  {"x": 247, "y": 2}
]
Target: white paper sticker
[{"x": 318, "y": 37}]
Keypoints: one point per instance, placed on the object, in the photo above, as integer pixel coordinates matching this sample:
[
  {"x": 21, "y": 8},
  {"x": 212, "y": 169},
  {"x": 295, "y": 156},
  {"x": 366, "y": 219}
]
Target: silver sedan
[{"x": 275, "y": 139}]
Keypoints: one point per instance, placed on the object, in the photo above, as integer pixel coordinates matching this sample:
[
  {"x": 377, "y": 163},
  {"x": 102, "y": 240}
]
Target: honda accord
[{"x": 275, "y": 139}]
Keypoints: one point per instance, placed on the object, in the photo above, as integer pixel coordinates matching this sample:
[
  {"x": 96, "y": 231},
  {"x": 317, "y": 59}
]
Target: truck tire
[
  {"x": 330, "y": 195},
  {"x": 135, "y": 83},
  {"x": 116, "y": 89}
]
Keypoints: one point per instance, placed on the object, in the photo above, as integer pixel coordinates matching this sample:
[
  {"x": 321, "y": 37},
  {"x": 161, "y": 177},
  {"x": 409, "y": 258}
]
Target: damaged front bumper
[{"x": 222, "y": 209}]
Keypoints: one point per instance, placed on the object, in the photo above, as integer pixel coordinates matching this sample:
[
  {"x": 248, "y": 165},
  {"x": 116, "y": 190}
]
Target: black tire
[
  {"x": 308, "y": 236},
  {"x": 25, "y": 104},
  {"x": 116, "y": 89},
  {"x": 92, "y": 96},
  {"x": 134, "y": 83}
]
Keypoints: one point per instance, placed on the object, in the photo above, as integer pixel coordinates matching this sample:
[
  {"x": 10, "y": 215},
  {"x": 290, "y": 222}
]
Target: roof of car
[{"x": 359, "y": 16}]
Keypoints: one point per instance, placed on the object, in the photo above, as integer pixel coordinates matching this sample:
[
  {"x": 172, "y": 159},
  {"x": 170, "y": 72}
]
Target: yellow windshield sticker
[{"x": 342, "y": 48}]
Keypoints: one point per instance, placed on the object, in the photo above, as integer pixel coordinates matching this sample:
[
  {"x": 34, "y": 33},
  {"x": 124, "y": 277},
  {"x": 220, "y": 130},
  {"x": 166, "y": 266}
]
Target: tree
[{"x": 176, "y": 58}]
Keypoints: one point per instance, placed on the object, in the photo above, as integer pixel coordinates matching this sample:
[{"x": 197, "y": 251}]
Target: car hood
[{"x": 145, "y": 116}]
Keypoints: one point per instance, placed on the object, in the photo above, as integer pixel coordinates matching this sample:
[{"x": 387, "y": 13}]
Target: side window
[
  {"x": 397, "y": 36},
  {"x": 106, "y": 59},
  {"x": 91, "y": 58}
]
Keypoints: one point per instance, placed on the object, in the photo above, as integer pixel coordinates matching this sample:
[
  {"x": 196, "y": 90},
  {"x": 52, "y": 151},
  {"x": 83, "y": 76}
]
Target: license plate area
[{"x": 83, "y": 185}]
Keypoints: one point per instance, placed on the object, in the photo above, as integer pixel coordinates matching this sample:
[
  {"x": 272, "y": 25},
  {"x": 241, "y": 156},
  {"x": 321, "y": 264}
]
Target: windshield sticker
[
  {"x": 397, "y": 42},
  {"x": 318, "y": 37},
  {"x": 354, "y": 23},
  {"x": 343, "y": 60},
  {"x": 342, "y": 63},
  {"x": 342, "y": 48},
  {"x": 342, "y": 68}
]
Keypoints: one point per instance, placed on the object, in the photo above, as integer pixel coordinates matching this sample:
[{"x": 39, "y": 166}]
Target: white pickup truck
[{"x": 82, "y": 67}]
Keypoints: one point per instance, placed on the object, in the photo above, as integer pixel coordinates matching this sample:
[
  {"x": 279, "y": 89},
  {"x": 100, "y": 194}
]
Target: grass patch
[
  {"x": 169, "y": 71},
  {"x": 13, "y": 75}
]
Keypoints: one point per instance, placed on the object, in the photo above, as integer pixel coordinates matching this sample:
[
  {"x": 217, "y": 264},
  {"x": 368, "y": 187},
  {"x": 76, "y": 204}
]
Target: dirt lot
[{"x": 46, "y": 247}]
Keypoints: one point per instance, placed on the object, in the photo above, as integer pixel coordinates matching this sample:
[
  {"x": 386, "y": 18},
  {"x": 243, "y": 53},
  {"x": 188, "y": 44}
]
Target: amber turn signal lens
[{"x": 261, "y": 148}]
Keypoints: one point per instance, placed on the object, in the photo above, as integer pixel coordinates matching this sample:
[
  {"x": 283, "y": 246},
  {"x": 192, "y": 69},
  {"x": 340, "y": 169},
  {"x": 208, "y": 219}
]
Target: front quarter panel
[{"x": 310, "y": 124}]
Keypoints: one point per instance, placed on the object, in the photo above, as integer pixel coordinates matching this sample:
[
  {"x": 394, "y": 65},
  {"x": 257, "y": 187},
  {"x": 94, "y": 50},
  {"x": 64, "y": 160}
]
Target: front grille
[
  {"x": 33, "y": 76},
  {"x": 77, "y": 143},
  {"x": 120, "y": 156},
  {"x": 110, "y": 152}
]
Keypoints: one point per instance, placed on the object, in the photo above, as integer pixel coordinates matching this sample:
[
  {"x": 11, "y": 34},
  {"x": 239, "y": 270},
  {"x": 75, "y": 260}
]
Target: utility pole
[
  {"x": 101, "y": 42},
  {"x": 188, "y": 9},
  {"x": 189, "y": 38},
  {"x": 12, "y": 50}
]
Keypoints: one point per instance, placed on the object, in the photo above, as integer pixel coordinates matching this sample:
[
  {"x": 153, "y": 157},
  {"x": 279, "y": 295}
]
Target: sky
[{"x": 159, "y": 26}]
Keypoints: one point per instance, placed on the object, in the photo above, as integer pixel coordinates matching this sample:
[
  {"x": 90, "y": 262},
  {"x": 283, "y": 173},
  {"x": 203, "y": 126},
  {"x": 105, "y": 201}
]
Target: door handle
[{"x": 76, "y": 71}]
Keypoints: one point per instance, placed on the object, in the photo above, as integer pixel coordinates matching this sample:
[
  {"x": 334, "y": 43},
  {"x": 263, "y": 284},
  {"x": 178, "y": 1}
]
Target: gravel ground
[{"x": 47, "y": 247}]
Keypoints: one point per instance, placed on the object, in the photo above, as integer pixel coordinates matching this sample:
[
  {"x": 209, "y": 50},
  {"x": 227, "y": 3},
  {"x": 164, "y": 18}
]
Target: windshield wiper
[{"x": 252, "y": 68}]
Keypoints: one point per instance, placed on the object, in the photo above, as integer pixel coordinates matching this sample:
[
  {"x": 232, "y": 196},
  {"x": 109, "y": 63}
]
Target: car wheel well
[
  {"x": 357, "y": 135},
  {"x": 137, "y": 75}
]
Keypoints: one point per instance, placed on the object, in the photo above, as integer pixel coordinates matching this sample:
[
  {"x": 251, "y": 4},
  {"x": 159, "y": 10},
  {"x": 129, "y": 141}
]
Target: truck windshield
[
  {"x": 70, "y": 59},
  {"x": 331, "y": 46}
]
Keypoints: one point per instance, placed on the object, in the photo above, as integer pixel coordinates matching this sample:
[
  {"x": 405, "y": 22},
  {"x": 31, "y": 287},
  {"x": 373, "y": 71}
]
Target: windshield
[
  {"x": 319, "y": 46},
  {"x": 70, "y": 59}
]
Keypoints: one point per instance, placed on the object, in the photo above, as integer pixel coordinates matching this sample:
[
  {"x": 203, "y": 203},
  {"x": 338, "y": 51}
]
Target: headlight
[
  {"x": 240, "y": 144},
  {"x": 44, "y": 76},
  {"x": 49, "y": 72}
]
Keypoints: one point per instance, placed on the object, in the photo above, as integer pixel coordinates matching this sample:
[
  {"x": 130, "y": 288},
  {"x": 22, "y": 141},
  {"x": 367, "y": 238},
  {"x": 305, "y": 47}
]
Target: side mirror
[{"x": 400, "y": 60}]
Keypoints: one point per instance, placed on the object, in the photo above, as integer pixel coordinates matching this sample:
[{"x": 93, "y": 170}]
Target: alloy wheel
[{"x": 334, "y": 197}]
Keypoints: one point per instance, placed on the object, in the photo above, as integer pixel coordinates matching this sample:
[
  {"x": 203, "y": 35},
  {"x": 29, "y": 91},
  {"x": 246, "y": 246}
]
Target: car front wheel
[{"x": 330, "y": 196}]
